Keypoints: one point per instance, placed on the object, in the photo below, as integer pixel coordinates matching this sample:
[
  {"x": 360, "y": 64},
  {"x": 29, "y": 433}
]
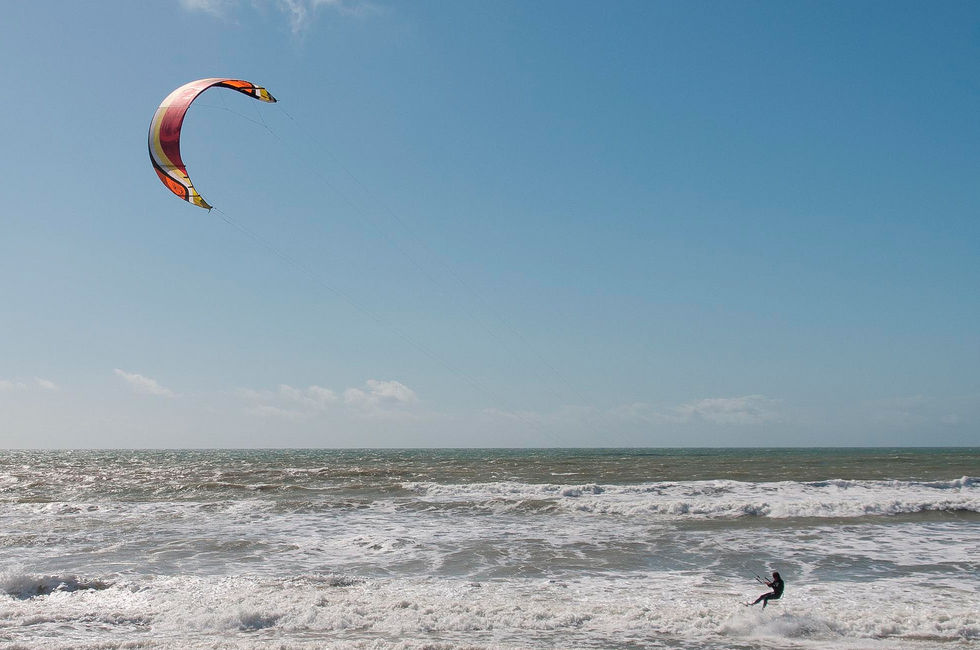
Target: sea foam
[{"x": 414, "y": 613}]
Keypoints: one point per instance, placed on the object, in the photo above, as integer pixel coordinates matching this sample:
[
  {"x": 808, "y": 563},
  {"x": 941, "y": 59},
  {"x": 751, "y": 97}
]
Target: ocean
[{"x": 485, "y": 548}]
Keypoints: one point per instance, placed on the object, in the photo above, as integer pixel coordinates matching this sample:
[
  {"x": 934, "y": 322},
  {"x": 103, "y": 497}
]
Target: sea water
[{"x": 445, "y": 549}]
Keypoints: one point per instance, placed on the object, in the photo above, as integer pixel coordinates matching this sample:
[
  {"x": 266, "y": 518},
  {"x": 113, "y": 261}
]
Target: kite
[{"x": 164, "y": 137}]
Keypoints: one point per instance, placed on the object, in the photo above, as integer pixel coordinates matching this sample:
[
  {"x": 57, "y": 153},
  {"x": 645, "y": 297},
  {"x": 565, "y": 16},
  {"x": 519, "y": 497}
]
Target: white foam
[{"x": 661, "y": 610}]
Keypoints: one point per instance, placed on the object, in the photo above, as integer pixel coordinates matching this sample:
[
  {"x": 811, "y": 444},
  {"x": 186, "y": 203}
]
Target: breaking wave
[{"x": 715, "y": 499}]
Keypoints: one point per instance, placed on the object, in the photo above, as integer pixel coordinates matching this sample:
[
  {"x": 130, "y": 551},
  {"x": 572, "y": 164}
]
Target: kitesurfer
[{"x": 776, "y": 584}]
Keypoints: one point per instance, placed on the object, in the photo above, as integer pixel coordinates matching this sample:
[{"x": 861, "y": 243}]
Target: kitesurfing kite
[{"x": 164, "y": 138}]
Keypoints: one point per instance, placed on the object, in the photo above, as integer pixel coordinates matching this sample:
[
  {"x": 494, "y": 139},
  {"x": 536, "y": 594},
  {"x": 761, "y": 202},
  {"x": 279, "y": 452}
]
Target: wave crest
[{"x": 23, "y": 586}]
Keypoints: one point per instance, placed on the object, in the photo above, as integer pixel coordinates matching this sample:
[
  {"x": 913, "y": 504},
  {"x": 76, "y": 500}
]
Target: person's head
[{"x": 775, "y": 574}]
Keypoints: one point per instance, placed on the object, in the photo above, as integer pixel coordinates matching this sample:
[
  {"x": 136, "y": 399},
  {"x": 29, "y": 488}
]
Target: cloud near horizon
[
  {"x": 375, "y": 398},
  {"x": 911, "y": 411},
  {"x": 144, "y": 385},
  {"x": 745, "y": 410},
  {"x": 742, "y": 410}
]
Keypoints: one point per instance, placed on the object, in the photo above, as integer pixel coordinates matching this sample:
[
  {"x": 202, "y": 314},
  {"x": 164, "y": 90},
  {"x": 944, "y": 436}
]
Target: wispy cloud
[
  {"x": 144, "y": 385},
  {"x": 288, "y": 402},
  {"x": 7, "y": 385},
  {"x": 564, "y": 416},
  {"x": 300, "y": 14},
  {"x": 376, "y": 397},
  {"x": 748, "y": 409},
  {"x": 742, "y": 410},
  {"x": 213, "y": 7},
  {"x": 269, "y": 411}
]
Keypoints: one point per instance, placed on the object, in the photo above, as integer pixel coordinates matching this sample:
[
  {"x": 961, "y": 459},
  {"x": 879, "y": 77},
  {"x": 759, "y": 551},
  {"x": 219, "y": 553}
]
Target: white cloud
[
  {"x": 380, "y": 395},
  {"x": 321, "y": 395},
  {"x": 144, "y": 385},
  {"x": 315, "y": 397},
  {"x": 45, "y": 384}
]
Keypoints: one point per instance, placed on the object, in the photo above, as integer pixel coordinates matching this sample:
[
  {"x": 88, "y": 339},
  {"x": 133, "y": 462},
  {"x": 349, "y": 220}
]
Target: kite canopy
[{"x": 164, "y": 138}]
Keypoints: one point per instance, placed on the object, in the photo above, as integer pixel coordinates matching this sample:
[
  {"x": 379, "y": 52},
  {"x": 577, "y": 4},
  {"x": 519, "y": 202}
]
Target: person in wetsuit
[{"x": 776, "y": 584}]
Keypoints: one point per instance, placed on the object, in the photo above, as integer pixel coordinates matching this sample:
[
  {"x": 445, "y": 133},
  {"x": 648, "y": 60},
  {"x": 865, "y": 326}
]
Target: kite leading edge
[{"x": 164, "y": 137}]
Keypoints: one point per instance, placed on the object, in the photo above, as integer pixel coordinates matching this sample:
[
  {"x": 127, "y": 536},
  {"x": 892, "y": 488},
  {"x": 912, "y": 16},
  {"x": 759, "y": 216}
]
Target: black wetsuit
[{"x": 777, "y": 591}]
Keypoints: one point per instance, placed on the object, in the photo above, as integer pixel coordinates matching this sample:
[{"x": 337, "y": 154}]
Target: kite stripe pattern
[{"x": 164, "y": 137}]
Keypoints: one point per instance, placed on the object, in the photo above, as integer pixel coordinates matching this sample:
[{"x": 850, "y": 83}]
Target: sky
[{"x": 506, "y": 224}]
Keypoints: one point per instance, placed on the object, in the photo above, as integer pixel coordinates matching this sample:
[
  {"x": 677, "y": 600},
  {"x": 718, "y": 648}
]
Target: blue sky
[{"x": 494, "y": 224}]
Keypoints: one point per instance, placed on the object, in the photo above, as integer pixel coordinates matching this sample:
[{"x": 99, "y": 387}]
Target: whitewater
[{"x": 468, "y": 549}]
